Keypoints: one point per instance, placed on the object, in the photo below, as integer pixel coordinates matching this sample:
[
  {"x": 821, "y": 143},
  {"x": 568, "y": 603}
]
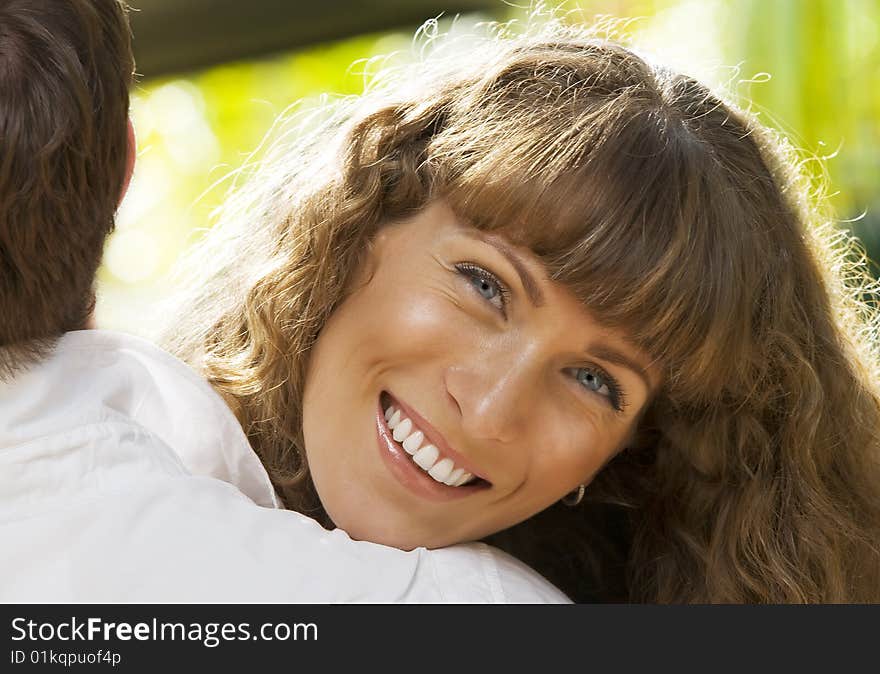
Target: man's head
[{"x": 65, "y": 160}]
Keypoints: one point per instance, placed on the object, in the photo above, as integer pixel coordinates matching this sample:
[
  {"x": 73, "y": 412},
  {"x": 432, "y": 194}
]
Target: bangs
[{"x": 636, "y": 219}]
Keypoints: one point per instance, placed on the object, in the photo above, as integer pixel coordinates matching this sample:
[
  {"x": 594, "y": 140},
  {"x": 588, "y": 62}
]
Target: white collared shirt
[{"x": 125, "y": 478}]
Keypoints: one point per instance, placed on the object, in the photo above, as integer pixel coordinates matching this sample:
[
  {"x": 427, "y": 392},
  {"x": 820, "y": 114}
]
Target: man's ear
[{"x": 129, "y": 160}]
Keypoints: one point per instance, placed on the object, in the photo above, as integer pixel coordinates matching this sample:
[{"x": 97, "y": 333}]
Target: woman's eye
[
  {"x": 486, "y": 284},
  {"x": 601, "y": 383}
]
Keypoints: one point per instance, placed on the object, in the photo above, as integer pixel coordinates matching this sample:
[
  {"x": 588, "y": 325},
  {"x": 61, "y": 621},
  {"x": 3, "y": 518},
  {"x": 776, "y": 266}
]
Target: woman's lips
[
  {"x": 432, "y": 435},
  {"x": 401, "y": 465}
]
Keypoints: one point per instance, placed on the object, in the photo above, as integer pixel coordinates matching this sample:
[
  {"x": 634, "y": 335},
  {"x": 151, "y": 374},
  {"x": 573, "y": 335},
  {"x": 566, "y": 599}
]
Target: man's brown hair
[{"x": 65, "y": 71}]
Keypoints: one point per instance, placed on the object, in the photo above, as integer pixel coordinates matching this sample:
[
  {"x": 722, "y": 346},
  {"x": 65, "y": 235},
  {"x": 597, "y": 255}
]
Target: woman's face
[{"x": 493, "y": 371}]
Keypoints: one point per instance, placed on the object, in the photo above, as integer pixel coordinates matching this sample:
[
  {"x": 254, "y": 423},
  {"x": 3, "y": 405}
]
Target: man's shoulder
[
  {"x": 167, "y": 397},
  {"x": 471, "y": 572}
]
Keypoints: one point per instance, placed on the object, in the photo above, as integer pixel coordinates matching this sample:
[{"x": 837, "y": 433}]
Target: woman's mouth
[{"x": 406, "y": 441}]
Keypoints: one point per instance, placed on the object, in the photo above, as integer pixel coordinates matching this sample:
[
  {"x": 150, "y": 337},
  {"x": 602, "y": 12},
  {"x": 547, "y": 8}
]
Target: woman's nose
[{"x": 493, "y": 395}]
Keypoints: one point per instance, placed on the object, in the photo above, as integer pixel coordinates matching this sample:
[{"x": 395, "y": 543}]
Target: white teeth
[
  {"x": 402, "y": 430},
  {"x": 413, "y": 442},
  {"x": 444, "y": 470},
  {"x": 441, "y": 470},
  {"x": 394, "y": 420},
  {"x": 426, "y": 457},
  {"x": 452, "y": 478},
  {"x": 463, "y": 479}
]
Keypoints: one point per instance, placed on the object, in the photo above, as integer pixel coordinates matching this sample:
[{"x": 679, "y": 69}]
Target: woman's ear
[{"x": 131, "y": 155}]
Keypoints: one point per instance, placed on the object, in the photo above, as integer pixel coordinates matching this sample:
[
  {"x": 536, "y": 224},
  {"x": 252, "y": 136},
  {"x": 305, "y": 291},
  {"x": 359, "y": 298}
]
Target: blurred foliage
[
  {"x": 824, "y": 57},
  {"x": 810, "y": 68}
]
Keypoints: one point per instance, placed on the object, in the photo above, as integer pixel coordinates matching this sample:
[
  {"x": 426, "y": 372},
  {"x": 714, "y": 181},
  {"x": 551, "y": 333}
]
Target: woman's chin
[
  {"x": 392, "y": 539},
  {"x": 396, "y": 537}
]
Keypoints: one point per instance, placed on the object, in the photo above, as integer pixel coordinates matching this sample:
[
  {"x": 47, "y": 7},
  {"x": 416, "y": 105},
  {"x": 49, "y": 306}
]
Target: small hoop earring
[{"x": 574, "y": 497}]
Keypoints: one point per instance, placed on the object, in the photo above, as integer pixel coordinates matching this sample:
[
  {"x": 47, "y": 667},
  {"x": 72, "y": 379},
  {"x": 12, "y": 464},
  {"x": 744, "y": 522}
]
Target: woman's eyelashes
[
  {"x": 487, "y": 285},
  {"x": 595, "y": 379}
]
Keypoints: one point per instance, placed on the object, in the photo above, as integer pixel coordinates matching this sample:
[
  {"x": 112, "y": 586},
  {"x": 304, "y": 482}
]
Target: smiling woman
[
  {"x": 494, "y": 408},
  {"x": 536, "y": 271}
]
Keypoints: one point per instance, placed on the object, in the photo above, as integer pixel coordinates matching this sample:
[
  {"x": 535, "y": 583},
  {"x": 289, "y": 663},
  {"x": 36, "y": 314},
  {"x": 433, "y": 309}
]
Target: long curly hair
[{"x": 670, "y": 213}]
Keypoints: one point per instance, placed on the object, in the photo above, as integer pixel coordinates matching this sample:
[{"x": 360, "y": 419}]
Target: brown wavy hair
[
  {"x": 671, "y": 214},
  {"x": 65, "y": 71}
]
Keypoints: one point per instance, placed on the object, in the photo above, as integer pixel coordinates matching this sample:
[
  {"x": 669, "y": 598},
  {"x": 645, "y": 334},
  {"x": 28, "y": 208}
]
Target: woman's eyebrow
[
  {"x": 612, "y": 355},
  {"x": 533, "y": 291}
]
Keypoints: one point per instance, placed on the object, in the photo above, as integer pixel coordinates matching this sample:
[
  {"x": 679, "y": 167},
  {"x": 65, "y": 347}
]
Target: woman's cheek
[{"x": 428, "y": 320}]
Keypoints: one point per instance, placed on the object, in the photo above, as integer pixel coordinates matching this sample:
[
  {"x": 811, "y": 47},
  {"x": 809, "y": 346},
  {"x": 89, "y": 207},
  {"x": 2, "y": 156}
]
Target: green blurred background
[{"x": 810, "y": 68}]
